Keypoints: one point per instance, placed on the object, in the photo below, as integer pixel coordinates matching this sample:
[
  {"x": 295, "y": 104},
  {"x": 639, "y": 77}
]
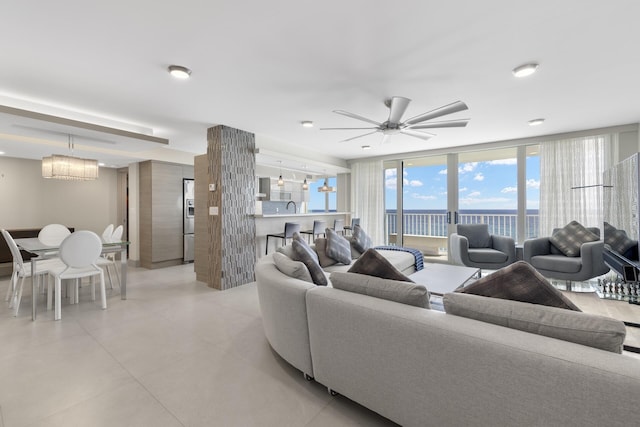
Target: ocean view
[{"x": 427, "y": 222}]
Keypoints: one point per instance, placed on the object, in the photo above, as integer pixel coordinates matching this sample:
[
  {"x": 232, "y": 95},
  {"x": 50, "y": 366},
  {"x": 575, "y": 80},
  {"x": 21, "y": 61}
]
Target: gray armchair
[
  {"x": 552, "y": 263},
  {"x": 473, "y": 246}
]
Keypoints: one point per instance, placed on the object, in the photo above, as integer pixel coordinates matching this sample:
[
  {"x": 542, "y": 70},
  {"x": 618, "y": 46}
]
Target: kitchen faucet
[{"x": 294, "y": 205}]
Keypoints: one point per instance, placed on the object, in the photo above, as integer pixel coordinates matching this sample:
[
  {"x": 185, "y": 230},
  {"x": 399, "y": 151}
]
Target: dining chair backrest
[
  {"x": 338, "y": 225},
  {"x": 290, "y": 228},
  {"x": 81, "y": 249},
  {"x": 107, "y": 233},
  {"x": 319, "y": 226},
  {"x": 53, "y": 234},
  {"x": 354, "y": 222},
  {"x": 18, "y": 262},
  {"x": 117, "y": 234}
]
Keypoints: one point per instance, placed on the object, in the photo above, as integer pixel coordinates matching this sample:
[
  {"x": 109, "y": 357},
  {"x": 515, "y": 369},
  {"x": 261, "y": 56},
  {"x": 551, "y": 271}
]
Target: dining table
[{"x": 34, "y": 246}]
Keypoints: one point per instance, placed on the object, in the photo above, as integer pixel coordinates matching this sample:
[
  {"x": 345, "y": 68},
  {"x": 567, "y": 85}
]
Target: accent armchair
[
  {"x": 545, "y": 257},
  {"x": 473, "y": 246}
]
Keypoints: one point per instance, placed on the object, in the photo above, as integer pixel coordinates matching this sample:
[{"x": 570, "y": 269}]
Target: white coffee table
[{"x": 440, "y": 279}]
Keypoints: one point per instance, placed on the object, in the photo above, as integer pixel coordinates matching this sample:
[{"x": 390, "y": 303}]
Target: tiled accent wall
[{"x": 231, "y": 167}]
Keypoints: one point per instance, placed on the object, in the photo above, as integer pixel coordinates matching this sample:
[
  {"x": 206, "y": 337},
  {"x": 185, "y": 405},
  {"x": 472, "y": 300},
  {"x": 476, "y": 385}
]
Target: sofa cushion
[
  {"x": 303, "y": 253},
  {"x": 321, "y": 251},
  {"x": 291, "y": 268},
  {"x": 519, "y": 282},
  {"x": 338, "y": 247},
  {"x": 487, "y": 255},
  {"x": 557, "y": 263},
  {"x": 392, "y": 290},
  {"x": 372, "y": 263},
  {"x": 571, "y": 237},
  {"x": 617, "y": 239},
  {"x": 477, "y": 234},
  {"x": 360, "y": 240},
  {"x": 582, "y": 328}
]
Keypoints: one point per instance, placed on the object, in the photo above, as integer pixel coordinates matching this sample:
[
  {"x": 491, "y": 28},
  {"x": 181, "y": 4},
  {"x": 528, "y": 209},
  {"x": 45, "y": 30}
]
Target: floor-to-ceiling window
[{"x": 322, "y": 201}]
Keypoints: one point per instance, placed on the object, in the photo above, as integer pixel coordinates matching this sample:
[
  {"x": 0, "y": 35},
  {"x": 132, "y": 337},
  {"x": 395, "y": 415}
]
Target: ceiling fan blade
[
  {"x": 347, "y": 128},
  {"x": 386, "y": 138},
  {"x": 443, "y": 124},
  {"x": 397, "y": 106},
  {"x": 357, "y": 117},
  {"x": 442, "y": 111},
  {"x": 421, "y": 135},
  {"x": 359, "y": 136}
]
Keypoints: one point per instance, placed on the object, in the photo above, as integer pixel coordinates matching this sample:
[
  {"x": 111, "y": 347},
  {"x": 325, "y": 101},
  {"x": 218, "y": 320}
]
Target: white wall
[{"x": 29, "y": 201}]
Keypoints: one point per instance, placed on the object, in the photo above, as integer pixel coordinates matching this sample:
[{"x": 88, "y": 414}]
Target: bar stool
[
  {"x": 338, "y": 226},
  {"x": 289, "y": 229},
  {"x": 354, "y": 222},
  {"x": 318, "y": 229}
]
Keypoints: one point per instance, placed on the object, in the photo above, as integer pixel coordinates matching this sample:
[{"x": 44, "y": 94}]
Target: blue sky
[{"x": 482, "y": 185}]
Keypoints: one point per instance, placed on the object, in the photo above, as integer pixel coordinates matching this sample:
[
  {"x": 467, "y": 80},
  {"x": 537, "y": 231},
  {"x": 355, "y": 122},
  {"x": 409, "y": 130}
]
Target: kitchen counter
[{"x": 311, "y": 214}]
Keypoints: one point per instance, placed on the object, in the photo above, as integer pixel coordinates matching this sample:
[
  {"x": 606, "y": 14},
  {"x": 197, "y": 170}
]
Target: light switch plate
[
  {"x": 213, "y": 210},
  {"x": 212, "y": 187}
]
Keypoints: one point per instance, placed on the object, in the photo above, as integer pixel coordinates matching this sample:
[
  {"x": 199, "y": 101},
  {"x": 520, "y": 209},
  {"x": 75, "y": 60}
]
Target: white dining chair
[
  {"x": 108, "y": 261},
  {"x": 107, "y": 233},
  {"x": 79, "y": 253},
  {"x": 22, "y": 270},
  {"x": 53, "y": 234}
]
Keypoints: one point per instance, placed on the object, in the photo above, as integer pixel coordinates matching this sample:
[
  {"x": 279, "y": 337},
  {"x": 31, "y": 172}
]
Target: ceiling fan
[{"x": 393, "y": 125}]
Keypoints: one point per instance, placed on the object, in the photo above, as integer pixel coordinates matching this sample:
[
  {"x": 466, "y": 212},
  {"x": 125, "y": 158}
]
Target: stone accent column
[{"x": 230, "y": 235}]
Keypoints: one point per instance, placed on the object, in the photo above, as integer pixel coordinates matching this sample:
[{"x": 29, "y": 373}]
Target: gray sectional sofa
[{"x": 421, "y": 367}]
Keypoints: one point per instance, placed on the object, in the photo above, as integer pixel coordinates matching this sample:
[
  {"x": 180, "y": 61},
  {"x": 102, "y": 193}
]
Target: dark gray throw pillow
[
  {"x": 338, "y": 247},
  {"x": 617, "y": 239},
  {"x": 321, "y": 250},
  {"x": 372, "y": 263},
  {"x": 308, "y": 257},
  {"x": 360, "y": 240},
  {"x": 519, "y": 282},
  {"x": 571, "y": 237}
]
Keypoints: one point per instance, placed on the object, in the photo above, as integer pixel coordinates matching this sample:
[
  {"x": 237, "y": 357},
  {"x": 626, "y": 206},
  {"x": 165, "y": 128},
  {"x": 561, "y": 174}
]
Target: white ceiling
[{"x": 265, "y": 66}]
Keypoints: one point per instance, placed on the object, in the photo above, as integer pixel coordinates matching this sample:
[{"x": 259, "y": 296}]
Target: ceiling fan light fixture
[
  {"x": 179, "y": 72},
  {"x": 525, "y": 70},
  {"x": 536, "y": 122},
  {"x": 306, "y": 123}
]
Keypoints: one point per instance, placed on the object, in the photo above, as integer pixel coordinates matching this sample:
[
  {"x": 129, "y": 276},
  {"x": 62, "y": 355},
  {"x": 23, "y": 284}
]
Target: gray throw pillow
[
  {"x": 617, "y": 239},
  {"x": 291, "y": 268},
  {"x": 360, "y": 240},
  {"x": 519, "y": 282},
  {"x": 571, "y": 237},
  {"x": 392, "y": 290},
  {"x": 321, "y": 250},
  {"x": 309, "y": 258},
  {"x": 372, "y": 263},
  {"x": 287, "y": 250},
  {"x": 338, "y": 247},
  {"x": 582, "y": 328}
]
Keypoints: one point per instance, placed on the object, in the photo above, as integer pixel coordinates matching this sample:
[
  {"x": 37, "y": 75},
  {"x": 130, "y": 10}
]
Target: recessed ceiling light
[
  {"x": 179, "y": 72},
  {"x": 307, "y": 123},
  {"x": 536, "y": 122},
  {"x": 366, "y": 147},
  {"x": 1, "y": 153},
  {"x": 525, "y": 70},
  {"x": 100, "y": 164}
]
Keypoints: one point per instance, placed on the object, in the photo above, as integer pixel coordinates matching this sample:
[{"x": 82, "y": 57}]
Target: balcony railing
[{"x": 435, "y": 224}]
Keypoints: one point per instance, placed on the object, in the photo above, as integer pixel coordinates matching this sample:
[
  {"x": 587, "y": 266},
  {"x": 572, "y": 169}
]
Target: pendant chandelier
[
  {"x": 280, "y": 180},
  {"x": 58, "y": 166},
  {"x": 325, "y": 187}
]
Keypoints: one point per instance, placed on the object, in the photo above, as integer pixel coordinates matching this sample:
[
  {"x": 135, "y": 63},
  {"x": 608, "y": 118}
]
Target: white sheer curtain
[
  {"x": 367, "y": 197},
  {"x": 565, "y": 164}
]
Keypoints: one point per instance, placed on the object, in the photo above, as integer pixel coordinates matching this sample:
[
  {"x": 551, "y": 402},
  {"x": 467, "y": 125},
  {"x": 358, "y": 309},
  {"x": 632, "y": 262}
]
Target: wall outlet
[
  {"x": 213, "y": 210},
  {"x": 212, "y": 187}
]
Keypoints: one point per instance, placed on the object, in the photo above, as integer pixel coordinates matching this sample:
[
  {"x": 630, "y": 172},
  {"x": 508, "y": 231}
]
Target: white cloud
[
  {"x": 467, "y": 167},
  {"x": 442, "y": 172},
  {"x": 389, "y": 173},
  {"x": 472, "y": 201},
  {"x": 509, "y": 190},
  {"x": 391, "y": 183},
  {"x": 473, "y": 194},
  {"x": 423, "y": 197},
  {"x": 503, "y": 162},
  {"x": 463, "y": 189},
  {"x": 415, "y": 183},
  {"x": 479, "y": 177},
  {"x": 532, "y": 183}
]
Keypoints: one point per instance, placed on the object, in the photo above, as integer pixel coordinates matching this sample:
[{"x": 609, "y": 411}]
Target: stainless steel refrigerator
[{"x": 188, "y": 219}]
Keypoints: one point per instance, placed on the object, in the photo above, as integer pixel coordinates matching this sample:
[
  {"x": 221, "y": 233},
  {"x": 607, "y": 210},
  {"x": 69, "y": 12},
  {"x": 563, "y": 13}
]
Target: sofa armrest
[
  {"x": 535, "y": 247},
  {"x": 505, "y": 244},
  {"x": 592, "y": 257},
  {"x": 459, "y": 248}
]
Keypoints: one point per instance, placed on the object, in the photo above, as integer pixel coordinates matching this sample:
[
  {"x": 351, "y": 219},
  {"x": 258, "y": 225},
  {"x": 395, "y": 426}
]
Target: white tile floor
[{"x": 175, "y": 353}]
